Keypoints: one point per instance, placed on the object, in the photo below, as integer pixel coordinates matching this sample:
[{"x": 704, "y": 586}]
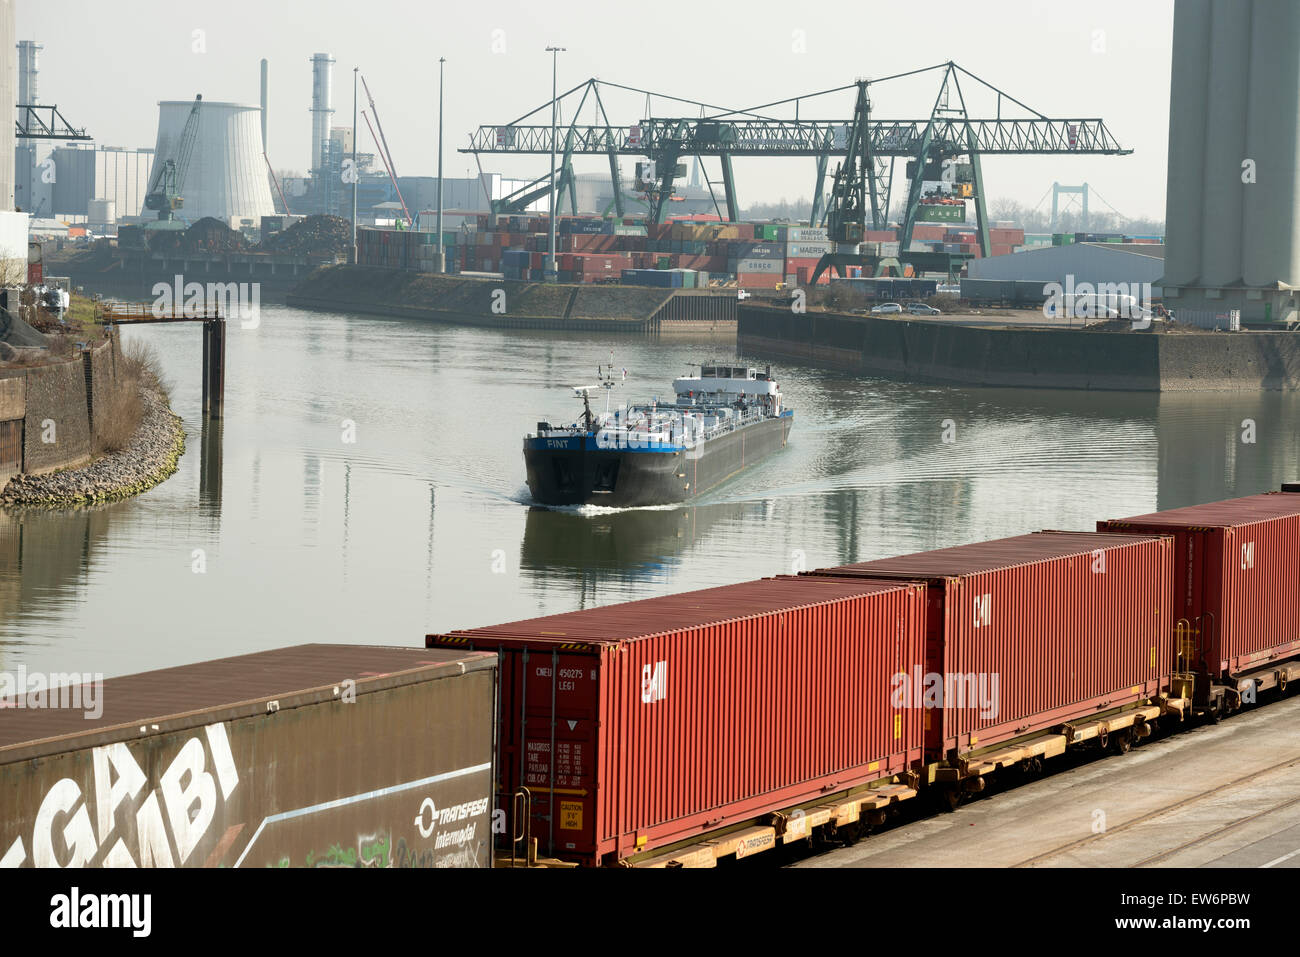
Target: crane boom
[
  {"x": 385, "y": 153},
  {"x": 164, "y": 196}
]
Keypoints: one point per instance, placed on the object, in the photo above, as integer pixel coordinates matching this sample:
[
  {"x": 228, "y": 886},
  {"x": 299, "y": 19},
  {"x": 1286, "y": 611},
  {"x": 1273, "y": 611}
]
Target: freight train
[{"x": 715, "y": 724}]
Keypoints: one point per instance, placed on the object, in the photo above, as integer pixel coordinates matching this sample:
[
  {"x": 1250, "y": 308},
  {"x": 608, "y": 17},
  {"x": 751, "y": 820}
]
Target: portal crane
[{"x": 164, "y": 196}]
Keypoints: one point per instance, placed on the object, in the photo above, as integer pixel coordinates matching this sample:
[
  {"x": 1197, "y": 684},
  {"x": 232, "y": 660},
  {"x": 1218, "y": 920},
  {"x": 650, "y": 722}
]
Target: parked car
[
  {"x": 886, "y": 308},
  {"x": 921, "y": 309}
]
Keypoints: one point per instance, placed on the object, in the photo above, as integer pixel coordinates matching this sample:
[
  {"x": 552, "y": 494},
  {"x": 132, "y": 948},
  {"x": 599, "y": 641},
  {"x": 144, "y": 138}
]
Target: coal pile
[
  {"x": 208, "y": 235},
  {"x": 313, "y": 236}
]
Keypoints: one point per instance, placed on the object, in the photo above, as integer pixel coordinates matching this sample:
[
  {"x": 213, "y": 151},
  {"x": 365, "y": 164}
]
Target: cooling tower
[
  {"x": 322, "y": 106},
  {"x": 226, "y": 178},
  {"x": 1233, "y": 205}
]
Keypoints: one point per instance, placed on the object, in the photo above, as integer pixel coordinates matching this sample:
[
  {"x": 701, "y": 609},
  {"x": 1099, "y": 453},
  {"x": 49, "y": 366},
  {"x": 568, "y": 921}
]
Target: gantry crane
[
  {"x": 164, "y": 196},
  {"x": 943, "y": 149}
]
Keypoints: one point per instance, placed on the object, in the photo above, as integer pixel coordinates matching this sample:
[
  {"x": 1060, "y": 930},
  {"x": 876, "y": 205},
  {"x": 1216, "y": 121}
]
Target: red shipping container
[
  {"x": 1040, "y": 629},
  {"x": 1236, "y": 579},
  {"x": 884, "y": 235},
  {"x": 672, "y": 717},
  {"x": 759, "y": 280}
]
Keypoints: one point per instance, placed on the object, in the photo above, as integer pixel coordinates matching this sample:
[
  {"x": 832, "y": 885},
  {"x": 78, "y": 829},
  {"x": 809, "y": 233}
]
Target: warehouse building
[
  {"x": 1095, "y": 263},
  {"x": 86, "y": 181}
]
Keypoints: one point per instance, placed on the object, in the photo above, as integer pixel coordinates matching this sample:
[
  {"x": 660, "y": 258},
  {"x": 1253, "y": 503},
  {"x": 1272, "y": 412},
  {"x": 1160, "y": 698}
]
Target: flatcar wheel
[
  {"x": 952, "y": 798},
  {"x": 1124, "y": 741}
]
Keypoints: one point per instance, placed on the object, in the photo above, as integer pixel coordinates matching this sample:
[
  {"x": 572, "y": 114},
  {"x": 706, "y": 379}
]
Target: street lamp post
[
  {"x": 355, "y": 72},
  {"x": 551, "y": 274},
  {"x": 442, "y": 253}
]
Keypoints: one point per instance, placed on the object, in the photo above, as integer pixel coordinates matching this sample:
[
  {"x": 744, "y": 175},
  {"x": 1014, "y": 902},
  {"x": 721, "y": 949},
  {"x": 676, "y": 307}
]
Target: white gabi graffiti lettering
[{"x": 63, "y": 834}]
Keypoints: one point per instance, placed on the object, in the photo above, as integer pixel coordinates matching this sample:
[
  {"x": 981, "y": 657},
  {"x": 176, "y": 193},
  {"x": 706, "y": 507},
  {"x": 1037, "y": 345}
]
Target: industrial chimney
[
  {"x": 1233, "y": 203},
  {"x": 29, "y": 55},
  {"x": 322, "y": 106}
]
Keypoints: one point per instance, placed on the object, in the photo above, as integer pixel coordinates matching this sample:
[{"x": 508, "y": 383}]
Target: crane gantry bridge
[{"x": 866, "y": 148}]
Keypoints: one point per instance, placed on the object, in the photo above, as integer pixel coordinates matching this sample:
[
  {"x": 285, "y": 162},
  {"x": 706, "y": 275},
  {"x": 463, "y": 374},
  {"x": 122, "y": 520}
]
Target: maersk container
[
  {"x": 806, "y": 234},
  {"x": 673, "y": 717},
  {"x": 1031, "y": 632},
  {"x": 1236, "y": 578},
  {"x": 313, "y": 756}
]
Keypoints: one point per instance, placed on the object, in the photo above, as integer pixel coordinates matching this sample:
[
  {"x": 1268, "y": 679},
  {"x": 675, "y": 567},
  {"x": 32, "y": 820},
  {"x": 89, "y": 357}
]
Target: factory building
[
  {"x": 469, "y": 194},
  {"x": 87, "y": 178},
  {"x": 1093, "y": 263}
]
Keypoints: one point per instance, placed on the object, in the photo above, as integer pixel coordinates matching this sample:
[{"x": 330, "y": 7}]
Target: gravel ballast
[{"x": 151, "y": 457}]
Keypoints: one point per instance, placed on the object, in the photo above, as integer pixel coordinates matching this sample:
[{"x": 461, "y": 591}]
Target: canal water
[{"x": 368, "y": 486}]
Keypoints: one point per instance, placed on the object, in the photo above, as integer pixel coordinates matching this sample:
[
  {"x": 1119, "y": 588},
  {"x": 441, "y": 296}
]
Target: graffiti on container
[
  {"x": 405, "y": 856},
  {"x": 371, "y": 851},
  {"x": 374, "y": 849},
  {"x": 950, "y": 689},
  {"x": 125, "y": 823},
  {"x": 336, "y": 856}
]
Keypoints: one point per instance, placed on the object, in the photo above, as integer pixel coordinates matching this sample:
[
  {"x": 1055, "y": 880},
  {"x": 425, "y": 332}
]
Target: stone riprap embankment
[{"x": 151, "y": 457}]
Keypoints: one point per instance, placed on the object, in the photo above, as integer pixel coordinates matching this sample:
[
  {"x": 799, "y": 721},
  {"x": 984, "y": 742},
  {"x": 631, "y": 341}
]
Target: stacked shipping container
[
  {"x": 1038, "y": 629},
  {"x": 671, "y": 717},
  {"x": 1236, "y": 579}
]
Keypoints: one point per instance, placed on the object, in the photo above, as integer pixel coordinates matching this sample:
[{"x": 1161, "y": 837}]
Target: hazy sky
[{"x": 107, "y": 64}]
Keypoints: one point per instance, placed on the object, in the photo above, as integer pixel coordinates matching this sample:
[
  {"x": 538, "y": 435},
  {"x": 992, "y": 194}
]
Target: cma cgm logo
[
  {"x": 1247, "y": 556},
  {"x": 654, "y": 682},
  {"x": 983, "y": 610}
]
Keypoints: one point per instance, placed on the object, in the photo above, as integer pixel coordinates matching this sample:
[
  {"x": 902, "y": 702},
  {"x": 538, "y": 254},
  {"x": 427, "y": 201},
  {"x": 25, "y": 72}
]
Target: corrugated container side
[
  {"x": 1065, "y": 624},
  {"x": 263, "y": 760},
  {"x": 723, "y": 714},
  {"x": 1236, "y": 577}
]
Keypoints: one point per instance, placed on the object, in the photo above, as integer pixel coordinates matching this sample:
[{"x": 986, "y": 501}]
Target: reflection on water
[{"x": 367, "y": 485}]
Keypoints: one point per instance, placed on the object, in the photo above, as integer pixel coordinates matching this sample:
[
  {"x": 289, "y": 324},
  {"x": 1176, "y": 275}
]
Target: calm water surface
[{"x": 280, "y": 531}]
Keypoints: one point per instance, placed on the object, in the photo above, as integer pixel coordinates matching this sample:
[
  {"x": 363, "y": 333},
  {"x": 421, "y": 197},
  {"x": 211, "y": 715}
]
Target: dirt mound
[{"x": 313, "y": 236}]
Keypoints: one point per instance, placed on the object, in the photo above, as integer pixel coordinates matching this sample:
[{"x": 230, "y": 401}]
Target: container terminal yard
[{"x": 1019, "y": 589}]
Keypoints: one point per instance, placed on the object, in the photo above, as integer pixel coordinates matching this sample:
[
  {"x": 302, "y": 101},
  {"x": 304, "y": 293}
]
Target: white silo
[
  {"x": 1224, "y": 193},
  {"x": 322, "y": 106},
  {"x": 226, "y": 178},
  {"x": 1233, "y": 204},
  {"x": 1187, "y": 136},
  {"x": 1270, "y": 249}
]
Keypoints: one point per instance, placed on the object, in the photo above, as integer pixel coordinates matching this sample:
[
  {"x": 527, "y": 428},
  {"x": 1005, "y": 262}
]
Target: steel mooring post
[
  {"x": 207, "y": 364},
  {"x": 214, "y": 367}
]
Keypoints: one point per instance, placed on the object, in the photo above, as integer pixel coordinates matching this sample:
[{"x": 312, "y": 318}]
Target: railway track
[{"x": 1218, "y": 791}]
